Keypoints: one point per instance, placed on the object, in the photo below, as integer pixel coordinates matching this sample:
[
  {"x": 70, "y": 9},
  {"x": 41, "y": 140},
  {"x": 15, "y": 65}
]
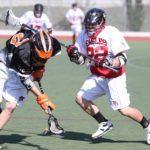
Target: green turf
[{"x": 61, "y": 82}]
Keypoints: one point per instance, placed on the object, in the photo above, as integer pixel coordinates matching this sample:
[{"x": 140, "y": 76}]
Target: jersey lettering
[
  {"x": 18, "y": 40},
  {"x": 37, "y": 27},
  {"x": 98, "y": 50}
]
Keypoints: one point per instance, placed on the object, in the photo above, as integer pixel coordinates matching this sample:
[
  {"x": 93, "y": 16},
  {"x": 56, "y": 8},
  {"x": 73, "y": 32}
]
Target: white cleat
[
  {"x": 148, "y": 133},
  {"x": 103, "y": 128}
]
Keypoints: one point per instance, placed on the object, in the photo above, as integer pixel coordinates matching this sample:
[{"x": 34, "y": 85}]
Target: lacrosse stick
[
  {"x": 88, "y": 57},
  {"x": 4, "y": 19},
  {"x": 53, "y": 126}
]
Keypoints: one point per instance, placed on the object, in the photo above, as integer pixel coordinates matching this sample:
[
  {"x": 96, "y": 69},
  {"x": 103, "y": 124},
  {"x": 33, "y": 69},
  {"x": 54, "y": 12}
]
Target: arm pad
[
  {"x": 122, "y": 58},
  {"x": 27, "y": 82}
]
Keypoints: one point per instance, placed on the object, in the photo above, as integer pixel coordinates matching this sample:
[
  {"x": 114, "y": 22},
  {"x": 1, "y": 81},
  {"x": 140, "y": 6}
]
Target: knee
[
  {"x": 10, "y": 107},
  {"x": 78, "y": 100}
]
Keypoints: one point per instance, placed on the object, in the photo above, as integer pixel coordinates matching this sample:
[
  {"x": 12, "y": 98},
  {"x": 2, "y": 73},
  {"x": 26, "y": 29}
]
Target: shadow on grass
[
  {"x": 78, "y": 136},
  {"x": 17, "y": 139},
  {"x": 68, "y": 135}
]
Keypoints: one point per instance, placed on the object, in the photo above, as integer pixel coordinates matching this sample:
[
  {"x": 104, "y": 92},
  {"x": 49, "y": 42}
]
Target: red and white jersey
[
  {"x": 108, "y": 43},
  {"x": 75, "y": 16},
  {"x": 37, "y": 23}
]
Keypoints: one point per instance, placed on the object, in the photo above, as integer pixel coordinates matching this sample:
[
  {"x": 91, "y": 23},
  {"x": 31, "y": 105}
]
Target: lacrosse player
[
  {"x": 36, "y": 19},
  {"x": 22, "y": 62},
  {"x": 75, "y": 17},
  {"x": 106, "y": 45}
]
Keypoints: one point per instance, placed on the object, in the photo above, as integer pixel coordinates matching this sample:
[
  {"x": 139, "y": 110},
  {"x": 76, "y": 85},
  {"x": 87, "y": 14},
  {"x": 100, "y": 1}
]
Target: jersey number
[
  {"x": 18, "y": 40},
  {"x": 98, "y": 52}
]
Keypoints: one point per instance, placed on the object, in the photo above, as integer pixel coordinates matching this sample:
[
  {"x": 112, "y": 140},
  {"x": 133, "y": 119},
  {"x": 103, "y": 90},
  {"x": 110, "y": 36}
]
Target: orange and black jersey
[{"x": 21, "y": 49}]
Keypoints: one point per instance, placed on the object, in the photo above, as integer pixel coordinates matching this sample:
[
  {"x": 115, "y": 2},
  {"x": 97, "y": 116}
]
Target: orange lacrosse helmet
[{"x": 42, "y": 44}]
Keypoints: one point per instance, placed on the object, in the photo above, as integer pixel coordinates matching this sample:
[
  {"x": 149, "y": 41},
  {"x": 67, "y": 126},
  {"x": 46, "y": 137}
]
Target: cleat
[
  {"x": 103, "y": 128},
  {"x": 148, "y": 133}
]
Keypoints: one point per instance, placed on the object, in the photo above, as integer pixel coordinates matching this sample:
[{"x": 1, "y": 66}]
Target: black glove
[
  {"x": 73, "y": 53},
  {"x": 106, "y": 62}
]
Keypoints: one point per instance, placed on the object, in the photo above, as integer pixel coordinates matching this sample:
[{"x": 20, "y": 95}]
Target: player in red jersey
[
  {"x": 107, "y": 46},
  {"x": 35, "y": 19}
]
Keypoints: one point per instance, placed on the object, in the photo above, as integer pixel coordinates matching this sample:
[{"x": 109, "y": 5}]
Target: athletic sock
[
  {"x": 144, "y": 122},
  {"x": 0, "y": 109},
  {"x": 99, "y": 118}
]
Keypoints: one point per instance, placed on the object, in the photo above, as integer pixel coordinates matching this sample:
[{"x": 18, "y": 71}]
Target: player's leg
[
  {"x": 73, "y": 38},
  {"x": 104, "y": 125},
  {"x": 87, "y": 93},
  {"x": 137, "y": 116},
  {"x": 3, "y": 79},
  {"x": 6, "y": 114},
  {"x": 14, "y": 94},
  {"x": 76, "y": 32},
  {"x": 121, "y": 102}
]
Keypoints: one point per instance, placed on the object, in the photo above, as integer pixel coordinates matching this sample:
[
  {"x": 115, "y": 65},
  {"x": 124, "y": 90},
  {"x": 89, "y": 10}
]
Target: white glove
[{"x": 11, "y": 19}]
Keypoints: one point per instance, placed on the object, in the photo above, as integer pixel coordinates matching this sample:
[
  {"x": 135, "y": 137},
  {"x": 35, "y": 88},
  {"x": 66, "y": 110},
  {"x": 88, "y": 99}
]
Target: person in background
[
  {"x": 75, "y": 17},
  {"x": 35, "y": 19},
  {"x": 107, "y": 46}
]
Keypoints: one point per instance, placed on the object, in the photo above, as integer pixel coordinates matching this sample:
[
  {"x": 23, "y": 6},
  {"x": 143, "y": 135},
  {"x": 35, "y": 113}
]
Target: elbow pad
[
  {"x": 122, "y": 58},
  {"x": 27, "y": 82}
]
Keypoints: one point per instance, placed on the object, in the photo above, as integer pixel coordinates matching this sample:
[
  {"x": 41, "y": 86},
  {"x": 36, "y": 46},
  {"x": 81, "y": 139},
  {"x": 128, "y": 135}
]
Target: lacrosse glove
[
  {"x": 38, "y": 74},
  {"x": 106, "y": 62},
  {"x": 45, "y": 103},
  {"x": 73, "y": 53}
]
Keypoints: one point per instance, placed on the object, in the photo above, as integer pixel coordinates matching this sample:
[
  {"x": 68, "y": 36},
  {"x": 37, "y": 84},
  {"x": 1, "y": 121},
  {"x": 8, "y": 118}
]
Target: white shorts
[
  {"x": 76, "y": 28},
  {"x": 15, "y": 91},
  {"x": 114, "y": 88},
  {"x": 3, "y": 79}
]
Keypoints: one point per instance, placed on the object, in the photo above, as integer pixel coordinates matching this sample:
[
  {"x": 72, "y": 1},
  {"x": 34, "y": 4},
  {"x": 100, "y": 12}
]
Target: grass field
[{"x": 61, "y": 82}]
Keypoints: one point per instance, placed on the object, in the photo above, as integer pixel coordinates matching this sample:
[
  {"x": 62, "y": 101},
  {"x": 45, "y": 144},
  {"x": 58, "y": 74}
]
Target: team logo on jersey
[
  {"x": 114, "y": 103},
  {"x": 21, "y": 98}
]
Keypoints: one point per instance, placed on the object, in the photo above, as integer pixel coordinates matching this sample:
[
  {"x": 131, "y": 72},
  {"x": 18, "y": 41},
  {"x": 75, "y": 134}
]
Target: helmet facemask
[
  {"x": 94, "y": 28},
  {"x": 94, "y": 22},
  {"x": 38, "y": 10},
  {"x": 42, "y": 46}
]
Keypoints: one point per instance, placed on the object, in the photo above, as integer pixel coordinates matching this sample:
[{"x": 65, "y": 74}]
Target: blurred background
[{"x": 127, "y": 15}]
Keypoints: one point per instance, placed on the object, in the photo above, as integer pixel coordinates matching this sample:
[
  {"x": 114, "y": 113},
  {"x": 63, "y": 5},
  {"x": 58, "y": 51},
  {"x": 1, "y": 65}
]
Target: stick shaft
[
  {"x": 42, "y": 91},
  {"x": 92, "y": 59}
]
